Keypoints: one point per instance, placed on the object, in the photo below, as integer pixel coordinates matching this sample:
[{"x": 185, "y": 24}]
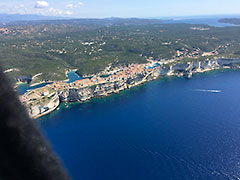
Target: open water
[{"x": 171, "y": 128}]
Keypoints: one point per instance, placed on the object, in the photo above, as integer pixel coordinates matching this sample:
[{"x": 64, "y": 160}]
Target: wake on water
[{"x": 209, "y": 90}]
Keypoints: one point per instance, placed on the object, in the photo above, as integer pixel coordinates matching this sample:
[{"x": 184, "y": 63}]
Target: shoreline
[
  {"x": 39, "y": 83},
  {"x": 86, "y": 76},
  {"x": 66, "y": 105},
  {"x": 77, "y": 94}
]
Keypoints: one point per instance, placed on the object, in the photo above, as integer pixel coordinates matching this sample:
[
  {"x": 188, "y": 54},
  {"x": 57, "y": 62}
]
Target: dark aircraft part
[{"x": 24, "y": 154}]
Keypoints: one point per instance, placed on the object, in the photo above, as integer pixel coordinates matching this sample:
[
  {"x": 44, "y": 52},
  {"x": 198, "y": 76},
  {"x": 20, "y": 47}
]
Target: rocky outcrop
[
  {"x": 186, "y": 69},
  {"x": 189, "y": 68}
]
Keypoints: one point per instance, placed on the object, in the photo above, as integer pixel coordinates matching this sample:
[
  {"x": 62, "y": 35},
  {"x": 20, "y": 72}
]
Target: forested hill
[
  {"x": 99, "y": 22},
  {"x": 92, "y": 45}
]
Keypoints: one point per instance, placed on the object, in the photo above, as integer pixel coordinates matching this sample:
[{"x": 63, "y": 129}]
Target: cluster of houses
[
  {"x": 87, "y": 82},
  {"x": 122, "y": 74}
]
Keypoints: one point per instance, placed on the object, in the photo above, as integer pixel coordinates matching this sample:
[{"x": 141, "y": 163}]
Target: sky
[{"x": 120, "y": 8}]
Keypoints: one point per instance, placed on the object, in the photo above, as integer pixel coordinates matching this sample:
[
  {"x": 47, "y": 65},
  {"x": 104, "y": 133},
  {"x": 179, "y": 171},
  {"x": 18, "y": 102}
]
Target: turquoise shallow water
[
  {"x": 73, "y": 76},
  {"x": 172, "y": 128},
  {"x": 24, "y": 87}
]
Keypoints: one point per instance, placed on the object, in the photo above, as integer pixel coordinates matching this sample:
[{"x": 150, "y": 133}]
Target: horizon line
[{"x": 130, "y": 17}]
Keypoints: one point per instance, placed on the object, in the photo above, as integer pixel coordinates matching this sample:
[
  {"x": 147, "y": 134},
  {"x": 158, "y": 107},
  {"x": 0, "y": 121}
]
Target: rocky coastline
[
  {"x": 186, "y": 69},
  {"x": 179, "y": 69}
]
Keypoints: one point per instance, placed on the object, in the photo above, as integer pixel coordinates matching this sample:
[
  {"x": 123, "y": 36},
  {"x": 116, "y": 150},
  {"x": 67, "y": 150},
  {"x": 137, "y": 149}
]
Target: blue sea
[
  {"x": 168, "y": 129},
  {"x": 207, "y": 20}
]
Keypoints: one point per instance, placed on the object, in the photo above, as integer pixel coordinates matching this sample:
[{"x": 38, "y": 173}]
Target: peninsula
[{"x": 44, "y": 100}]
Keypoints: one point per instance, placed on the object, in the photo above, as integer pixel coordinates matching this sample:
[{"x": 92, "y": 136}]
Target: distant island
[
  {"x": 234, "y": 21},
  {"x": 109, "y": 55}
]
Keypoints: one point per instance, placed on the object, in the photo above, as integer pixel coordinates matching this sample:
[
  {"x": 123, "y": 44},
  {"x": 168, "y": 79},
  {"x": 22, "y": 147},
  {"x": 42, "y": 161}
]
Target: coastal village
[
  {"x": 41, "y": 101},
  {"x": 38, "y": 100}
]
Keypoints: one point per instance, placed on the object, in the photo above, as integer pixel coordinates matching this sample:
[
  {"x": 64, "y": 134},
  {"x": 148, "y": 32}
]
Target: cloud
[
  {"x": 68, "y": 13},
  {"x": 55, "y": 11},
  {"x": 71, "y": 6},
  {"x": 41, "y": 4},
  {"x": 80, "y": 4}
]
